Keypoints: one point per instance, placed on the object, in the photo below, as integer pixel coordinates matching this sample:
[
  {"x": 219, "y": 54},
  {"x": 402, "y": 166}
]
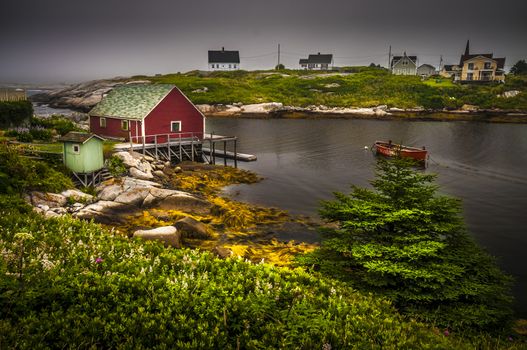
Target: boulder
[
  {"x": 191, "y": 228},
  {"x": 109, "y": 193},
  {"x": 222, "y": 252},
  {"x": 148, "y": 158},
  {"x": 169, "y": 235},
  {"x": 134, "y": 196},
  {"x": 145, "y": 167},
  {"x": 105, "y": 212},
  {"x": 52, "y": 200},
  {"x": 510, "y": 94},
  {"x": 128, "y": 159},
  {"x": 159, "y": 173},
  {"x": 51, "y": 214},
  {"x": 262, "y": 107},
  {"x": 77, "y": 195},
  {"x": 138, "y": 174},
  {"x": 469, "y": 108},
  {"x": 178, "y": 200}
]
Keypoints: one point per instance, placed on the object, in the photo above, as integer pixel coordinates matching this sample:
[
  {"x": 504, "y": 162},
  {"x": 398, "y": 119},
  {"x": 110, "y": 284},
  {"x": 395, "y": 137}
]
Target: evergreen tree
[
  {"x": 519, "y": 68},
  {"x": 404, "y": 241}
]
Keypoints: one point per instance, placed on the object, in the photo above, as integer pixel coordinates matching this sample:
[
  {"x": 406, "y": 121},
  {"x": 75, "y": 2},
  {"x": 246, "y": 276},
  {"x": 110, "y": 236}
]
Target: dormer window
[
  {"x": 471, "y": 66},
  {"x": 488, "y": 65}
]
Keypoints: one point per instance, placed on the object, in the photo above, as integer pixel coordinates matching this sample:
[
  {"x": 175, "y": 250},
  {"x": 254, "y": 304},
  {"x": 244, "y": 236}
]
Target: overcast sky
[{"x": 67, "y": 40}]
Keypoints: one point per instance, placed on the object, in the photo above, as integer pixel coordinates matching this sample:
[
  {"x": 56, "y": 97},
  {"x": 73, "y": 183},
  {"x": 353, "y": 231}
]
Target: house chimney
[
  {"x": 222, "y": 48},
  {"x": 319, "y": 53}
]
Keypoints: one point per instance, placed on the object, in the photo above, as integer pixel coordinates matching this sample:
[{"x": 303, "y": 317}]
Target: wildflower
[
  {"x": 446, "y": 333},
  {"x": 99, "y": 260},
  {"x": 510, "y": 338}
]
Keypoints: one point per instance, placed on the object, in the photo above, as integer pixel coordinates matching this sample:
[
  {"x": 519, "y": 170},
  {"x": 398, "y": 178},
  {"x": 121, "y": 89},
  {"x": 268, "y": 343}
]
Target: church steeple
[{"x": 467, "y": 48}]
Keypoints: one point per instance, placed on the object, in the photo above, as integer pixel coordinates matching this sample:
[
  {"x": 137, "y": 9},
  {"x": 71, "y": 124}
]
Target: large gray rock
[
  {"x": 169, "y": 235},
  {"x": 77, "y": 196},
  {"x": 105, "y": 212},
  {"x": 128, "y": 159},
  {"x": 134, "y": 196},
  {"x": 191, "y": 228},
  {"x": 52, "y": 200},
  {"x": 109, "y": 193},
  {"x": 141, "y": 175}
]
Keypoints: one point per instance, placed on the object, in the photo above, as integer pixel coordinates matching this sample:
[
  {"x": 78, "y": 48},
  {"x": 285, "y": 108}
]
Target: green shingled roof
[{"x": 131, "y": 101}]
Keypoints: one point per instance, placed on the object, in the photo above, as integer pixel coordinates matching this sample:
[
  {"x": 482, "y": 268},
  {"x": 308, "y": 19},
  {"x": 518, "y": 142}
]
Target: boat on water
[{"x": 390, "y": 149}]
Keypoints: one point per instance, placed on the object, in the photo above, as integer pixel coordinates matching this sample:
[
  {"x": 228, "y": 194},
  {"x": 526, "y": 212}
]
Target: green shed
[{"x": 83, "y": 152}]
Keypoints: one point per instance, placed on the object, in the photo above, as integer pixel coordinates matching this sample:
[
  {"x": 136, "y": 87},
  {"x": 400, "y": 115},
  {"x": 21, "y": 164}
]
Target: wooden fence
[{"x": 8, "y": 95}]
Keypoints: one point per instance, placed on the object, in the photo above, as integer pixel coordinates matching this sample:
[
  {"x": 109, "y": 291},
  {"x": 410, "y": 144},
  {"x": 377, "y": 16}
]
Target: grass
[{"x": 357, "y": 87}]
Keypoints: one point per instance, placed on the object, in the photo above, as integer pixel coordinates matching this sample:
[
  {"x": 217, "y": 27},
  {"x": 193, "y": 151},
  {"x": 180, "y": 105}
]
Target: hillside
[{"x": 352, "y": 87}]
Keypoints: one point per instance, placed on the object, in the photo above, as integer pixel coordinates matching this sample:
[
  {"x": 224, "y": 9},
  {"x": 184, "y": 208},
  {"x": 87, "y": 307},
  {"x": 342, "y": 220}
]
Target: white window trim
[
  {"x": 78, "y": 148},
  {"x": 127, "y": 125},
  {"x": 102, "y": 121},
  {"x": 178, "y": 122}
]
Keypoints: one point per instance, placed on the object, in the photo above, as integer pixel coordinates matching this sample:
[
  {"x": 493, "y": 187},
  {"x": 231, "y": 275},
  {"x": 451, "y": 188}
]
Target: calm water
[{"x": 305, "y": 160}]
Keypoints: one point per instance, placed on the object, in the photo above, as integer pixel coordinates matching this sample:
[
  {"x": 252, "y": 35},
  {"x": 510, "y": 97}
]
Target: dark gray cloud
[{"x": 58, "y": 40}]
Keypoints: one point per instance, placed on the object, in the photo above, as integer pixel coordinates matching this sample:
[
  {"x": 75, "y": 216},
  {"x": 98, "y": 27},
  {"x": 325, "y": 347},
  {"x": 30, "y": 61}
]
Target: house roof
[
  {"x": 78, "y": 137},
  {"x": 223, "y": 56},
  {"x": 500, "y": 62},
  {"x": 427, "y": 65},
  {"x": 303, "y": 61},
  {"x": 466, "y": 57},
  {"x": 396, "y": 59},
  {"x": 318, "y": 58},
  {"x": 134, "y": 101}
]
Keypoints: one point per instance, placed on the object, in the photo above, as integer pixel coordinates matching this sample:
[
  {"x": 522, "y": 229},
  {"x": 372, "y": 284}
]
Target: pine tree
[{"x": 405, "y": 242}]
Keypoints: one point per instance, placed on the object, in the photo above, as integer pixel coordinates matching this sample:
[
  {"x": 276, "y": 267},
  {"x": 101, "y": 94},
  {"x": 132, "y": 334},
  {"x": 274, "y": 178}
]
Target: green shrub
[
  {"x": 19, "y": 174},
  {"x": 61, "y": 124},
  {"x": 79, "y": 286},
  {"x": 115, "y": 166},
  {"x": 15, "y": 113},
  {"x": 25, "y": 136},
  {"x": 403, "y": 241},
  {"x": 41, "y": 134}
]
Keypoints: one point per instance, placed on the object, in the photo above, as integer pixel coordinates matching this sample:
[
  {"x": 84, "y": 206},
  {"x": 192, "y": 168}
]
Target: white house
[
  {"x": 404, "y": 65},
  {"x": 224, "y": 60},
  {"x": 316, "y": 62}
]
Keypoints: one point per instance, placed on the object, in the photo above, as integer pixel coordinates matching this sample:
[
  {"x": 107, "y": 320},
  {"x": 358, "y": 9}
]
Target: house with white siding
[
  {"x": 404, "y": 65},
  {"x": 224, "y": 60},
  {"x": 317, "y": 62}
]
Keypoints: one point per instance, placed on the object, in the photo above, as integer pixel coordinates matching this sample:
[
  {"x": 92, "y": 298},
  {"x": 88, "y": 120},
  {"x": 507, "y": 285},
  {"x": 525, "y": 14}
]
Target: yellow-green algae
[{"x": 240, "y": 227}]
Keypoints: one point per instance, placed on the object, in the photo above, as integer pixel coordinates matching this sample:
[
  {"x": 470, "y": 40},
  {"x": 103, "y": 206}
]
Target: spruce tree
[{"x": 404, "y": 241}]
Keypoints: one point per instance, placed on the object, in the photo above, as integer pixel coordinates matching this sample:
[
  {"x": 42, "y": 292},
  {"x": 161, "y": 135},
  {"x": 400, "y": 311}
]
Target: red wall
[
  {"x": 174, "y": 107},
  {"x": 113, "y": 128}
]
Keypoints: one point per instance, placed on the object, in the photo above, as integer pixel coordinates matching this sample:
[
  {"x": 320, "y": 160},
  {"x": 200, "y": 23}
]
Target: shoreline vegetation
[
  {"x": 74, "y": 278},
  {"x": 352, "y": 92}
]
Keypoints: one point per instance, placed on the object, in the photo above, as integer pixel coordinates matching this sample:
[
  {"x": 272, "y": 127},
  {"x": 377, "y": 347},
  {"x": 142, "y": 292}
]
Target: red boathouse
[{"x": 137, "y": 110}]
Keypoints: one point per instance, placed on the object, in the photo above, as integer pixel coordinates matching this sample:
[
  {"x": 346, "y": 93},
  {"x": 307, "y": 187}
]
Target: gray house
[
  {"x": 404, "y": 65},
  {"x": 426, "y": 70},
  {"x": 224, "y": 60}
]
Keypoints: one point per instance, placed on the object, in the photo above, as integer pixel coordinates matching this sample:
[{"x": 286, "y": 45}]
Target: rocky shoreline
[
  {"x": 82, "y": 97},
  {"x": 144, "y": 203}
]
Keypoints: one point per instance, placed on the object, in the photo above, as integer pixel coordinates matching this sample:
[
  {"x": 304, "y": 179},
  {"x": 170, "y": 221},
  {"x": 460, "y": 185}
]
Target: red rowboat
[{"x": 390, "y": 149}]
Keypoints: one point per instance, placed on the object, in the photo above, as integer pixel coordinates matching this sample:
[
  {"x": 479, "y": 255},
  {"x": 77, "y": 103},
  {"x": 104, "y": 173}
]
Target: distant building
[
  {"x": 317, "y": 62},
  {"x": 426, "y": 70},
  {"x": 451, "y": 70},
  {"x": 481, "y": 67},
  {"x": 404, "y": 65},
  {"x": 224, "y": 60}
]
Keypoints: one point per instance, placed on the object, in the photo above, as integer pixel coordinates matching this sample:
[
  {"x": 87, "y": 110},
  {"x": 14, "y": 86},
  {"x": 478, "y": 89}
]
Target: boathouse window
[
  {"x": 124, "y": 124},
  {"x": 102, "y": 122},
  {"x": 76, "y": 148},
  {"x": 175, "y": 126}
]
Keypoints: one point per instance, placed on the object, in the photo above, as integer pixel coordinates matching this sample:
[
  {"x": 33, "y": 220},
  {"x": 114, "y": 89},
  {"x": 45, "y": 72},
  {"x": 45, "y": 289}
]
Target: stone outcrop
[
  {"x": 169, "y": 235},
  {"x": 191, "y": 228},
  {"x": 82, "y": 97}
]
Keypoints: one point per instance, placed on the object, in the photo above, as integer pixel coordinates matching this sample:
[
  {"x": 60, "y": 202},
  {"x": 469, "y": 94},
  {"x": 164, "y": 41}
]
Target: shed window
[
  {"x": 124, "y": 124},
  {"x": 175, "y": 126},
  {"x": 76, "y": 148},
  {"x": 102, "y": 122}
]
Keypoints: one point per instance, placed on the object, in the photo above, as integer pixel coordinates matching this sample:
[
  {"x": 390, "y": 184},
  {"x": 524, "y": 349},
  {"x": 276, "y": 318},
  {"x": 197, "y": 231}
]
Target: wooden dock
[{"x": 178, "y": 147}]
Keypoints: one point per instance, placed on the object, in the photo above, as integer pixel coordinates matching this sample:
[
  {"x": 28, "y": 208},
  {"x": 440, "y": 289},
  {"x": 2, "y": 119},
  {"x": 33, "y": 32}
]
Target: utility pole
[
  {"x": 278, "y": 54},
  {"x": 390, "y": 58}
]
